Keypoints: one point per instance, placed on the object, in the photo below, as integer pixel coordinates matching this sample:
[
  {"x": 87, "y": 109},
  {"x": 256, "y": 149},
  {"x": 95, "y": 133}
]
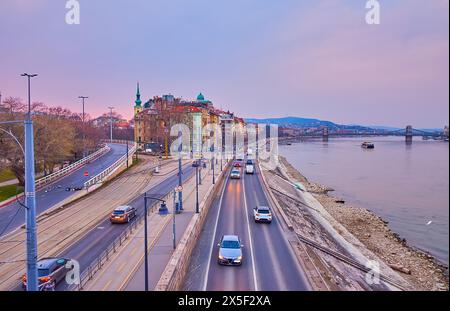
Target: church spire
[{"x": 138, "y": 96}]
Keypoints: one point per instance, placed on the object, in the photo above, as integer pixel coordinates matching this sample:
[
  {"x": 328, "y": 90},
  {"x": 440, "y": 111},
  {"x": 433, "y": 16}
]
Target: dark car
[{"x": 51, "y": 270}]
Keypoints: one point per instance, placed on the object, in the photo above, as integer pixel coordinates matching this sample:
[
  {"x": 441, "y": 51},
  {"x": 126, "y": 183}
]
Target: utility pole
[
  {"x": 111, "y": 123},
  {"x": 196, "y": 187},
  {"x": 30, "y": 199},
  {"x": 84, "y": 129},
  {"x": 180, "y": 172}
]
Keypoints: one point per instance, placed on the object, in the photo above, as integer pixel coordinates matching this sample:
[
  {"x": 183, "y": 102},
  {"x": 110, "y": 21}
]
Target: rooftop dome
[{"x": 200, "y": 97}]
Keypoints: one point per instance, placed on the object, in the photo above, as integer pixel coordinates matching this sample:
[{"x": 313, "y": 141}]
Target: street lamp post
[
  {"x": 84, "y": 130},
  {"x": 30, "y": 199},
  {"x": 127, "y": 154},
  {"x": 162, "y": 211},
  {"x": 180, "y": 172},
  {"x": 111, "y": 123},
  {"x": 212, "y": 164},
  {"x": 173, "y": 220},
  {"x": 196, "y": 189}
]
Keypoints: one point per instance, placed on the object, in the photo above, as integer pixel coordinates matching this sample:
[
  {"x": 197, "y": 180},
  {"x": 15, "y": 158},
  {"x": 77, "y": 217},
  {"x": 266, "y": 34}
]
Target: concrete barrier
[
  {"x": 175, "y": 271},
  {"x": 274, "y": 201}
]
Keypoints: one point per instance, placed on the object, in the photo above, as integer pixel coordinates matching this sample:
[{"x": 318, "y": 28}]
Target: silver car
[
  {"x": 235, "y": 174},
  {"x": 230, "y": 251}
]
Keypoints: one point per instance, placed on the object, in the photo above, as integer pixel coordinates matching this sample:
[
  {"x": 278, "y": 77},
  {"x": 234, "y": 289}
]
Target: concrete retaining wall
[{"x": 175, "y": 271}]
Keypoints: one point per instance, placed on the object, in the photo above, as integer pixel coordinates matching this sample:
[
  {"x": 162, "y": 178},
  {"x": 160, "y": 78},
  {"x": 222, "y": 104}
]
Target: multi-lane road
[
  {"x": 268, "y": 260},
  {"x": 13, "y": 215},
  {"x": 94, "y": 242}
]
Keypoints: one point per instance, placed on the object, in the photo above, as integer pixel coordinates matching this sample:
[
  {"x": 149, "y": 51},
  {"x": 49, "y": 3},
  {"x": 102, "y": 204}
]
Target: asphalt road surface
[
  {"x": 87, "y": 249},
  {"x": 14, "y": 214},
  {"x": 268, "y": 260}
]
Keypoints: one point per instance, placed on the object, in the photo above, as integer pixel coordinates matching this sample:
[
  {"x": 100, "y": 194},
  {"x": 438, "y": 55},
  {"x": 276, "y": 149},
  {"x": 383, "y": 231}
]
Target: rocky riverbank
[{"x": 420, "y": 269}]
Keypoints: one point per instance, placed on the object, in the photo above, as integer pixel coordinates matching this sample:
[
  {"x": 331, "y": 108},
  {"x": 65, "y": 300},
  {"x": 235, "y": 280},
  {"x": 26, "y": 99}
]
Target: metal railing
[
  {"x": 111, "y": 169},
  {"x": 98, "y": 263},
  {"x": 117, "y": 141},
  {"x": 52, "y": 177}
]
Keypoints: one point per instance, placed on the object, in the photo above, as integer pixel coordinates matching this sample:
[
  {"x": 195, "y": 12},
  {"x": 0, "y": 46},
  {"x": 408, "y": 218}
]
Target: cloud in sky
[{"x": 258, "y": 58}]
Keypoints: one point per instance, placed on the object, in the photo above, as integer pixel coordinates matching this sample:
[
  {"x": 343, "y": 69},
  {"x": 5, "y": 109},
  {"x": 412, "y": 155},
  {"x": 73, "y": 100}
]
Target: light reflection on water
[{"x": 408, "y": 185}]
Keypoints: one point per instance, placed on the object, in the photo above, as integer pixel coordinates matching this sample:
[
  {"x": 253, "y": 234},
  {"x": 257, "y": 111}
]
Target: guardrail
[
  {"x": 98, "y": 263},
  {"x": 111, "y": 169},
  {"x": 52, "y": 177},
  {"x": 118, "y": 141}
]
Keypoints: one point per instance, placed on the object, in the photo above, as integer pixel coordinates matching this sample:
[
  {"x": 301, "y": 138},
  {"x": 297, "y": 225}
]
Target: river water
[{"x": 408, "y": 185}]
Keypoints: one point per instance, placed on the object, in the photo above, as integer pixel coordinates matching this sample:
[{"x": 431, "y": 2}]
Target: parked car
[
  {"x": 235, "y": 174},
  {"x": 123, "y": 214},
  {"x": 230, "y": 251},
  {"x": 51, "y": 270},
  {"x": 262, "y": 214}
]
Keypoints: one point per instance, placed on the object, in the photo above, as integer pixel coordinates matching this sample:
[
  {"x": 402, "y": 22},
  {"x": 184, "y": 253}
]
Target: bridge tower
[
  {"x": 409, "y": 134},
  {"x": 325, "y": 133}
]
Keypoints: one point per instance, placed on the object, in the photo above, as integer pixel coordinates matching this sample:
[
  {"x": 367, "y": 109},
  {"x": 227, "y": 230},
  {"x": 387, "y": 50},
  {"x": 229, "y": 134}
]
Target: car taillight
[
  {"x": 257, "y": 215},
  {"x": 44, "y": 279}
]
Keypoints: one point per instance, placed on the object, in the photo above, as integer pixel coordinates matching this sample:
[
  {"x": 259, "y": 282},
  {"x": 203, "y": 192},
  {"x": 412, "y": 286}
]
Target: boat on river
[{"x": 367, "y": 145}]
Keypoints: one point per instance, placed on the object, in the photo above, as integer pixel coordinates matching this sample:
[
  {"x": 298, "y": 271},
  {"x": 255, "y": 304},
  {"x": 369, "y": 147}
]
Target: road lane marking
[
  {"x": 134, "y": 251},
  {"x": 106, "y": 285},
  {"x": 205, "y": 282},
  {"x": 249, "y": 236},
  {"x": 121, "y": 267}
]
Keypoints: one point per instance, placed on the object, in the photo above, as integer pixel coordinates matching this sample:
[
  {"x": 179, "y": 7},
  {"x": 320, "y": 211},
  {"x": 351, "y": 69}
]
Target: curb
[{"x": 274, "y": 201}]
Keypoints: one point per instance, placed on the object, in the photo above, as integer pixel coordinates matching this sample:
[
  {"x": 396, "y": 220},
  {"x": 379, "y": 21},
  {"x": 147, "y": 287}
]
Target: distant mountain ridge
[{"x": 298, "y": 122}]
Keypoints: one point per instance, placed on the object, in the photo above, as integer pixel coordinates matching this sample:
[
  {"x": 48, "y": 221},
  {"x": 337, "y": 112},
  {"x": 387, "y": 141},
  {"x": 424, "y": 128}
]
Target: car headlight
[
  {"x": 238, "y": 259},
  {"x": 221, "y": 257}
]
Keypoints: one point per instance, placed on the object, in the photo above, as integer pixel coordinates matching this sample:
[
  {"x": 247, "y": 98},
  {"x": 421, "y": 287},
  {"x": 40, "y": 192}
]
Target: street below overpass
[
  {"x": 13, "y": 215},
  {"x": 268, "y": 260},
  {"x": 87, "y": 249}
]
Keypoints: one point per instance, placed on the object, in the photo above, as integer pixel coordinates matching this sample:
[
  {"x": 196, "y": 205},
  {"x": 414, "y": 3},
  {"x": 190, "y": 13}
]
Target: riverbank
[{"x": 419, "y": 268}]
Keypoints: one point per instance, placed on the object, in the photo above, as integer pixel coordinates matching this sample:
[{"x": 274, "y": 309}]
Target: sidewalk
[
  {"x": 9, "y": 182},
  {"x": 125, "y": 271}
]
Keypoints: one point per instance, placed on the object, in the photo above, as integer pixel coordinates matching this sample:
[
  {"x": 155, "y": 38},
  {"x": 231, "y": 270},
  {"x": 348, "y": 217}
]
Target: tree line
[{"x": 60, "y": 137}]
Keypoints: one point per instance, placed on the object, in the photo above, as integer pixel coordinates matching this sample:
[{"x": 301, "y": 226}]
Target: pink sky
[{"x": 309, "y": 59}]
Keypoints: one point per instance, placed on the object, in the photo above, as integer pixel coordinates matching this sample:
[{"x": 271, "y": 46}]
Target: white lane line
[
  {"x": 249, "y": 236},
  {"x": 205, "y": 281}
]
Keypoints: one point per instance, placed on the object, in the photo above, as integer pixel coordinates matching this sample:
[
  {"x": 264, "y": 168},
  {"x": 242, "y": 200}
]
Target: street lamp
[
  {"x": 163, "y": 206},
  {"x": 196, "y": 188},
  {"x": 212, "y": 164},
  {"x": 30, "y": 199},
  {"x": 180, "y": 172},
  {"x": 84, "y": 130},
  {"x": 111, "y": 123}
]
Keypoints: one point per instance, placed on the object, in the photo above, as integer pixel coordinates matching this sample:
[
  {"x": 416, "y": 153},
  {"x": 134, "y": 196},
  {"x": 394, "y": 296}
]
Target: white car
[
  {"x": 262, "y": 214},
  {"x": 249, "y": 169},
  {"x": 235, "y": 174}
]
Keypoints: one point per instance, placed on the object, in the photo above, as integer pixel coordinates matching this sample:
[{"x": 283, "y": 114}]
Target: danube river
[{"x": 408, "y": 185}]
